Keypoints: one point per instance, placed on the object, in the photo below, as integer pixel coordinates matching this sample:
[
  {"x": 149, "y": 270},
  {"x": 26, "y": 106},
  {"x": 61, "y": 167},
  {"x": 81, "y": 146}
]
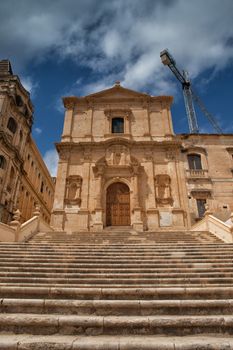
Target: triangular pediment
[{"x": 117, "y": 91}]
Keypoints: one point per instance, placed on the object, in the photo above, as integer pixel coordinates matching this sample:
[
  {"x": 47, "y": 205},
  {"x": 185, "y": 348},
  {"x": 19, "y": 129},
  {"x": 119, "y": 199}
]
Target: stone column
[
  {"x": 152, "y": 211},
  {"x": 66, "y": 135},
  {"x": 137, "y": 211},
  {"x": 136, "y": 195},
  {"x": 84, "y": 211},
  {"x": 57, "y": 218},
  {"x": 98, "y": 223}
]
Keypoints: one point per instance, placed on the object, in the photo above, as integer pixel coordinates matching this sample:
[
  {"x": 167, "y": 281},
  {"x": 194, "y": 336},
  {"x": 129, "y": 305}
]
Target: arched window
[
  {"x": 2, "y": 162},
  {"x": 19, "y": 101},
  {"x": 118, "y": 125},
  {"x": 12, "y": 125},
  {"x": 194, "y": 161},
  {"x": 42, "y": 187}
]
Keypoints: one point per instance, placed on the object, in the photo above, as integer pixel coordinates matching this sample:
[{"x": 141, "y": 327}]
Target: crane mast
[{"x": 189, "y": 95}]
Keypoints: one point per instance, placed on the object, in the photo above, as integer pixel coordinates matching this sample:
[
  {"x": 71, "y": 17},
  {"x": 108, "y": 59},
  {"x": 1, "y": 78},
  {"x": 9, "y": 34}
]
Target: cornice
[
  {"x": 188, "y": 136},
  {"x": 193, "y": 148},
  {"x": 68, "y": 146},
  {"x": 70, "y": 101}
]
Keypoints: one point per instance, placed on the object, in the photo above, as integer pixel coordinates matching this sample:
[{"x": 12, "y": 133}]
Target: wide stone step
[
  {"x": 133, "y": 265},
  {"x": 110, "y": 260},
  {"x": 119, "y": 280},
  {"x": 117, "y": 285},
  {"x": 11, "y": 341},
  {"x": 155, "y": 245},
  {"x": 116, "y": 325},
  {"x": 118, "y": 307},
  {"x": 145, "y": 241},
  {"x": 120, "y": 254},
  {"x": 115, "y": 275},
  {"x": 119, "y": 239},
  {"x": 111, "y": 293},
  {"x": 67, "y": 270},
  {"x": 113, "y": 250}
]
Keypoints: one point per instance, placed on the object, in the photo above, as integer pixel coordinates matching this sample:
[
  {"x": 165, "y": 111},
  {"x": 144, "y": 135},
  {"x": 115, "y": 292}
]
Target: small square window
[{"x": 118, "y": 125}]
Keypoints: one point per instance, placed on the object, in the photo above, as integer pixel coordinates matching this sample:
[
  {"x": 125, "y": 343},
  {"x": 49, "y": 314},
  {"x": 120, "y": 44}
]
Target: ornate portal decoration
[
  {"x": 118, "y": 155},
  {"x": 163, "y": 189},
  {"x": 73, "y": 190}
]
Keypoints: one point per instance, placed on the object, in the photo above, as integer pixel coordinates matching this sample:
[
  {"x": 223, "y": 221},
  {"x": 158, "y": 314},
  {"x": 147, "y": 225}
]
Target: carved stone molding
[
  {"x": 194, "y": 149},
  {"x": 87, "y": 154},
  {"x": 124, "y": 112},
  {"x": 201, "y": 193},
  {"x": 64, "y": 155},
  {"x": 148, "y": 154},
  {"x": 170, "y": 153},
  {"x": 99, "y": 168},
  {"x": 69, "y": 102},
  {"x": 118, "y": 155}
]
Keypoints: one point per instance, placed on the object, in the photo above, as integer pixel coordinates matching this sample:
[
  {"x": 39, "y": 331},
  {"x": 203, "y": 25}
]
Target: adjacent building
[
  {"x": 24, "y": 179},
  {"x": 122, "y": 165}
]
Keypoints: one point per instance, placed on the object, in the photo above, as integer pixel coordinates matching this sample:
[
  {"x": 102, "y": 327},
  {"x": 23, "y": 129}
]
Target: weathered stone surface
[
  {"x": 24, "y": 175},
  {"x": 102, "y": 308},
  {"x": 140, "y": 174}
]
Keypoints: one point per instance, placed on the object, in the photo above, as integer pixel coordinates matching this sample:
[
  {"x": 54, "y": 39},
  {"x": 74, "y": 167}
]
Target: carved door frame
[{"x": 118, "y": 205}]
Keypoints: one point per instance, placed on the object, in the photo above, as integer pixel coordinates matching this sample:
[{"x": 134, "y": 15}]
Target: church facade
[{"x": 120, "y": 164}]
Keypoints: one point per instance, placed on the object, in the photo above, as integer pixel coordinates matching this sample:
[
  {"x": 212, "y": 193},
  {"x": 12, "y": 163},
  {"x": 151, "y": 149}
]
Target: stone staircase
[{"x": 117, "y": 290}]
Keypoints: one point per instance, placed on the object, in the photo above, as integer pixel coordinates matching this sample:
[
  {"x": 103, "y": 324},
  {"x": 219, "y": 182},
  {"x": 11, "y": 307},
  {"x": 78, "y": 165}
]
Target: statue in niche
[
  {"x": 73, "y": 190},
  {"x": 163, "y": 189}
]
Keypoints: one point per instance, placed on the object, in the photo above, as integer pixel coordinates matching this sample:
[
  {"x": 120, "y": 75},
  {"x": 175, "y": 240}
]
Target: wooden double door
[{"x": 118, "y": 205}]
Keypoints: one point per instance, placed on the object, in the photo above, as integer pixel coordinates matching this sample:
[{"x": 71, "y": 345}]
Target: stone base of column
[
  {"x": 138, "y": 226},
  {"x": 137, "y": 220},
  {"x": 57, "y": 220},
  {"x": 152, "y": 219},
  {"x": 98, "y": 223}
]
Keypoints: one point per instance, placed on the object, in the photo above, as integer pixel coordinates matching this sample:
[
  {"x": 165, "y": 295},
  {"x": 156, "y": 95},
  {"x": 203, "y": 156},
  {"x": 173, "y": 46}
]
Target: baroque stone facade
[
  {"x": 122, "y": 165},
  {"x": 24, "y": 179}
]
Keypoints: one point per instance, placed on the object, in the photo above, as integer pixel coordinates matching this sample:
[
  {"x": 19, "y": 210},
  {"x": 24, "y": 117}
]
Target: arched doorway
[{"x": 118, "y": 205}]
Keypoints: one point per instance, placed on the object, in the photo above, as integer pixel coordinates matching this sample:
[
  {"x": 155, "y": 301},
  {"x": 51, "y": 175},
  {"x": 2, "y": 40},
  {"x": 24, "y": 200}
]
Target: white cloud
[
  {"x": 38, "y": 131},
  {"x": 121, "y": 39},
  {"x": 29, "y": 84},
  {"x": 51, "y": 160}
]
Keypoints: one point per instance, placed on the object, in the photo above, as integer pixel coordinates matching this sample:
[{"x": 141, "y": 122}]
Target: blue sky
[{"x": 76, "y": 47}]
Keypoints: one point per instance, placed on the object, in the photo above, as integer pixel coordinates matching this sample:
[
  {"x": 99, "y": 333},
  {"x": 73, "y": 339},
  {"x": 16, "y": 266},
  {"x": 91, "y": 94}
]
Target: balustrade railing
[{"x": 197, "y": 172}]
